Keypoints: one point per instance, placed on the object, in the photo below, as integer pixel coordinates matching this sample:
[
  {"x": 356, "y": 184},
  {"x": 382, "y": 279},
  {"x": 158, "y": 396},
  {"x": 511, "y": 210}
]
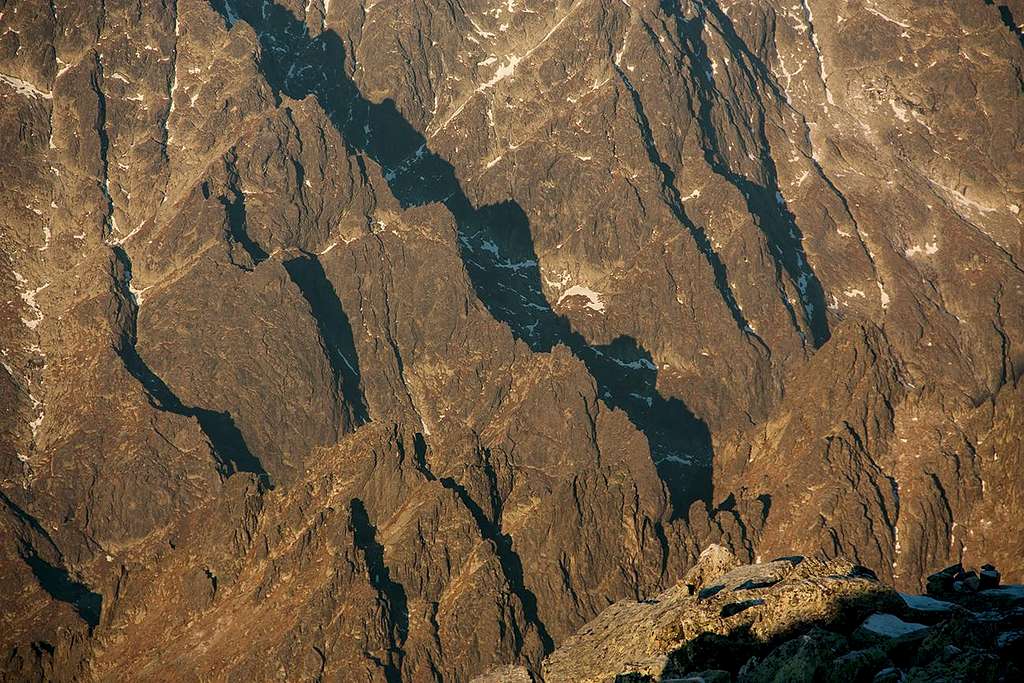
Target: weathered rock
[
  {"x": 369, "y": 340},
  {"x": 858, "y": 666},
  {"x": 816, "y": 622},
  {"x": 714, "y": 562},
  {"x": 734, "y": 608},
  {"x": 989, "y": 577},
  {"x": 751, "y": 577},
  {"x": 803, "y": 659}
]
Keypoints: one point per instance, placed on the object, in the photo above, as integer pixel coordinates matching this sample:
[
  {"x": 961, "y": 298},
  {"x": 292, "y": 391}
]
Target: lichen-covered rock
[
  {"x": 680, "y": 632},
  {"x": 963, "y": 667},
  {"x": 804, "y": 659},
  {"x": 801, "y": 621},
  {"x": 857, "y": 666},
  {"x": 506, "y": 674}
]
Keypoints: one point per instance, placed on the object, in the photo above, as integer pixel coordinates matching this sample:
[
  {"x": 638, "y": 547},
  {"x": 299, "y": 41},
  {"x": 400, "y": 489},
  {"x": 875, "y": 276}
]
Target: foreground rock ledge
[{"x": 794, "y": 619}]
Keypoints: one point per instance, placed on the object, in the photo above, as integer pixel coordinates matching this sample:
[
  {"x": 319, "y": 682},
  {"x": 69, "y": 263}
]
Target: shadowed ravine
[
  {"x": 495, "y": 241},
  {"x": 763, "y": 195},
  {"x": 335, "y": 331},
  {"x": 364, "y": 534},
  {"x": 229, "y": 447},
  {"x": 53, "y": 579}
]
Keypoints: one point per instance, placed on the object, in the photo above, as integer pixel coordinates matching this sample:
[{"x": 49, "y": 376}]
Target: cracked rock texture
[
  {"x": 349, "y": 340},
  {"x": 795, "y": 619}
]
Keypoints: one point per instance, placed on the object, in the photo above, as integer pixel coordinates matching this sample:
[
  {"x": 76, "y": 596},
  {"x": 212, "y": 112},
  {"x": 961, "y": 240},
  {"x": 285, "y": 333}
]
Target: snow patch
[
  {"x": 595, "y": 300},
  {"x": 29, "y": 297},
  {"x": 901, "y": 112},
  {"x": 137, "y": 293},
  {"x": 24, "y": 88},
  {"x": 882, "y": 295},
  {"x": 506, "y": 69},
  {"x": 817, "y": 49},
  {"x": 231, "y": 16},
  {"x": 880, "y": 15},
  {"x": 928, "y": 249},
  {"x": 35, "y": 424}
]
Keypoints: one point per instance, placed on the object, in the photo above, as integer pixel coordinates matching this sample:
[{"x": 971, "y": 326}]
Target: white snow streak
[
  {"x": 507, "y": 69},
  {"x": 817, "y": 49},
  {"x": 595, "y": 300},
  {"x": 25, "y": 88}
]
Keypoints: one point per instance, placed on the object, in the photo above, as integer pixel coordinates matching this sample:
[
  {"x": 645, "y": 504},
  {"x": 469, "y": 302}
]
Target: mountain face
[{"x": 351, "y": 340}]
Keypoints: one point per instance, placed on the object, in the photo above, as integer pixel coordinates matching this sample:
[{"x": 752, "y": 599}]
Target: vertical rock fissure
[
  {"x": 54, "y": 579},
  {"x": 59, "y": 585},
  {"x": 490, "y": 530},
  {"x": 109, "y": 224},
  {"x": 674, "y": 201},
  {"x": 237, "y": 222},
  {"x": 171, "y": 86},
  {"x": 765, "y": 202},
  {"x": 307, "y": 273},
  {"x": 229, "y": 448},
  {"x": 1006, "y": 15},
  {"x": 392, "y": 594}
]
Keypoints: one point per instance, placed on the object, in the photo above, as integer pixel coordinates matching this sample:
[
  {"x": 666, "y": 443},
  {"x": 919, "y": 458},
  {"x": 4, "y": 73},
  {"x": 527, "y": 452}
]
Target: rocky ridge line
[{"x": 798, "y": 620}]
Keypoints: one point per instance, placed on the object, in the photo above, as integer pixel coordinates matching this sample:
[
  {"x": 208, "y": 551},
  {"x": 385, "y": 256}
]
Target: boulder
[
  {"x": 941, "y": 582},
  {"x": 889, "y": 632},
  {"x": 804, "y": 659},
  {"x": 858, "y": 666},
  {"x": 926, "y": 609},
  {"x": 888, "y": 675},
  {"x": 989, "y": 577},
  {"x": 714, "y": 561}
]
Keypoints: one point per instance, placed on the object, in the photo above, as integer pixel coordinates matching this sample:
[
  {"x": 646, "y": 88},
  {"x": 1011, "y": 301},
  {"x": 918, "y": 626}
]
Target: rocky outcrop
[
  {"x": 347, "y": 338},
  {"x": 797, "y": 619}
]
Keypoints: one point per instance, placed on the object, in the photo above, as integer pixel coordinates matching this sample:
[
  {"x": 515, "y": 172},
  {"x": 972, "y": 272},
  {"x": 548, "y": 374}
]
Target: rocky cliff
[
  {"x": 348, "y": 339},
  {"x": 798, "y": 620}
]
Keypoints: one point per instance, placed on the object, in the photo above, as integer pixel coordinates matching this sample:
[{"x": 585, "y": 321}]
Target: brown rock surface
[{"x": 380, "y": 340}]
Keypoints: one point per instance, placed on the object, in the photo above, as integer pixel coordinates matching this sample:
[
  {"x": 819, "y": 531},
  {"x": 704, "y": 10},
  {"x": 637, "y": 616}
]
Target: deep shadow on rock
[{"x": 495, "y": 241}]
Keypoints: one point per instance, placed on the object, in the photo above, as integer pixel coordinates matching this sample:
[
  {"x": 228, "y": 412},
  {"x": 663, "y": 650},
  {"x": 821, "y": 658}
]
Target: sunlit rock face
[
  {"x": 396, "y": 340},
  {"x": 797, "y": 619}
]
